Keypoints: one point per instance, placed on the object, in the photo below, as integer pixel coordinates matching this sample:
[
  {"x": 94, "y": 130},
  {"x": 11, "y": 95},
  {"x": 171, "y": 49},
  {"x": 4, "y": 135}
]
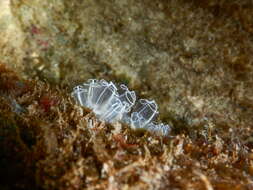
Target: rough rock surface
[
  {"x": 47, "y": 142},
  {"x": 193, "y": 57}
]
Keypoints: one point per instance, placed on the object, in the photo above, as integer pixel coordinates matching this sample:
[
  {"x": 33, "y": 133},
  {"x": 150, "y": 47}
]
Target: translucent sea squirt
[
  {"x": 144, "y": 112},
  {"x": 113, "y": 103}
]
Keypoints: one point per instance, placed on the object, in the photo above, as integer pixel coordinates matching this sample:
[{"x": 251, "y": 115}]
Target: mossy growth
[{"x": 56, "y": 144}]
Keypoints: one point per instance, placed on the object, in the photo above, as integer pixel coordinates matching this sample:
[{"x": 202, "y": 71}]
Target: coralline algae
[{"x": 112, "y": 103}]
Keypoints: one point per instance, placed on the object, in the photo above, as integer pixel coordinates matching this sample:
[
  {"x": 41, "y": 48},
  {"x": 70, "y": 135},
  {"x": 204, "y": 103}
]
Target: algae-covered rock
[
  {"x": 193, "y": 57},
  {"x": 54, "y": 144}
]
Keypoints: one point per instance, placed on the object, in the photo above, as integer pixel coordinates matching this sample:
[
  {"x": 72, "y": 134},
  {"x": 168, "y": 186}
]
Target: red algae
[{"x": 47, "y": 102}]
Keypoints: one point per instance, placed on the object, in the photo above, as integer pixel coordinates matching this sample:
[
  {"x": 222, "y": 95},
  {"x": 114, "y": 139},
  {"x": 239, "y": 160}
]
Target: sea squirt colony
[{"x": 112, "y": 103}]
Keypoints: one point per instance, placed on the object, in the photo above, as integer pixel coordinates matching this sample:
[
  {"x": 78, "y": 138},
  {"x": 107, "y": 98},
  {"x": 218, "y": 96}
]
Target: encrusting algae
[
  {"x": 54, "y": 144},
  {"x": 193, "y": 57}
]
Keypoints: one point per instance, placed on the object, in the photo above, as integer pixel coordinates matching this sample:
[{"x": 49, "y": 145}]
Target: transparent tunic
[{"x": 113, "y": 103}]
